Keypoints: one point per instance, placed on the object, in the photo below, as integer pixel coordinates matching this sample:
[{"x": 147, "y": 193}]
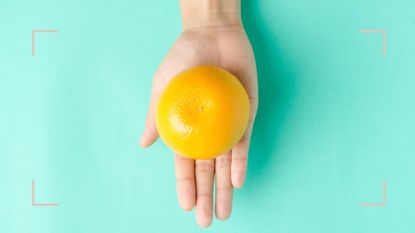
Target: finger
[
  {"x": 240, "y": 150},
  {"x": 160, "y": 80},
  {"x": 185, "y": 182},
  {"x": 223, "y": 186},
  {"x": 239, "y": 162},
  {"x": 150, "y": 133},
  {"x": 204, "y": 185}
]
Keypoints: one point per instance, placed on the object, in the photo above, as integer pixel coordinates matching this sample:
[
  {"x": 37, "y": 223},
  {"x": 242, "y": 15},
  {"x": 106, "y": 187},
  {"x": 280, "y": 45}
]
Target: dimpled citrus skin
[{"x": 203, "y": 112}]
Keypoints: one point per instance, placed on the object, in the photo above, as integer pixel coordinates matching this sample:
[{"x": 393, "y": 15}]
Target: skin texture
[{"x": 226, "y": 45}]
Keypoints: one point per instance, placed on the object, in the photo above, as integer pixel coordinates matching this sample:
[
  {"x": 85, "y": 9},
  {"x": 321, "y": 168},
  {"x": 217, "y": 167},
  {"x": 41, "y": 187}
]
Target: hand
[{"x": 228, "y": 47}]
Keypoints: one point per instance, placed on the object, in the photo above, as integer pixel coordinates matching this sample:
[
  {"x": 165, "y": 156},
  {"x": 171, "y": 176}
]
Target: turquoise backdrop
[{"x": 336, "y": 120}]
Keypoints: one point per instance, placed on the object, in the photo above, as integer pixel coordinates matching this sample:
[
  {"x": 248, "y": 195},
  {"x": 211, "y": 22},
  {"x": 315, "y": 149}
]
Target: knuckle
[
  {"x": 223, "y": 161},
  {"x": 242, "y": 159},
  {"x": 225, "y": 187},
  {"x": 204, "y": 166},
  {"x": 204, "y": 194}
]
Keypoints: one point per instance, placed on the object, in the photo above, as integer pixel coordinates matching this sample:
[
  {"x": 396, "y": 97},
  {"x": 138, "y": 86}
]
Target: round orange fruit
[{"x": 203, "y": 112}]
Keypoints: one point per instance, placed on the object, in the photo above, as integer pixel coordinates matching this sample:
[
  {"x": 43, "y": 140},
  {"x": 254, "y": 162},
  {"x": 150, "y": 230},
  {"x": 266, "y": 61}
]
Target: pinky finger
[{"x": 239, "y": 163}]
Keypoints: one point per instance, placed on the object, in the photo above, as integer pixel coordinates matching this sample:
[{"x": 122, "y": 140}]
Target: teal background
[{"x": 336, "y": 118}]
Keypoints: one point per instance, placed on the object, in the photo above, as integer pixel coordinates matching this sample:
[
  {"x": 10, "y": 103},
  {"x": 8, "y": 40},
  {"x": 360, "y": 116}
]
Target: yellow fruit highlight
[{"x": 203, "y": 112}]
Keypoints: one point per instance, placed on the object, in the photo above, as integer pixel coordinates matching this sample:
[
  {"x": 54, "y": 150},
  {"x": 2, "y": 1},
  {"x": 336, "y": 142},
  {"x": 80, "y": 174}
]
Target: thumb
[{"x": 150, "y": 133}]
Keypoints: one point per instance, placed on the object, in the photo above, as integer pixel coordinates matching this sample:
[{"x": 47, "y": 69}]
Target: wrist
[{"x": 210, "y": 13}]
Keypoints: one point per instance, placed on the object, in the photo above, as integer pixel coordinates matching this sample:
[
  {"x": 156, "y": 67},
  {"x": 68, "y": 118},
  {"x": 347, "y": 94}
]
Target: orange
[{"x": 203, "y": 112}]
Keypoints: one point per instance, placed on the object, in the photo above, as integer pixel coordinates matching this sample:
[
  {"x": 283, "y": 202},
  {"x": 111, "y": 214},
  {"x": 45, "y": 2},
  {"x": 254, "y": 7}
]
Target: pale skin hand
[{"x": 221, "y": 41}]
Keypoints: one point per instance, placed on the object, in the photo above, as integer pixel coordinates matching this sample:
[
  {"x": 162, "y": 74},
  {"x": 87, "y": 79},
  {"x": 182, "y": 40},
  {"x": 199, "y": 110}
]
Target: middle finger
[{"x": 204, "y": 185}]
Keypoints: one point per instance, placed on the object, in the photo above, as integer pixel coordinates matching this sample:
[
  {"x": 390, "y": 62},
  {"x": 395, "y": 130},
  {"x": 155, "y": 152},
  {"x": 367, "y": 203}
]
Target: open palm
[{"x": 229, "y": 48}]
